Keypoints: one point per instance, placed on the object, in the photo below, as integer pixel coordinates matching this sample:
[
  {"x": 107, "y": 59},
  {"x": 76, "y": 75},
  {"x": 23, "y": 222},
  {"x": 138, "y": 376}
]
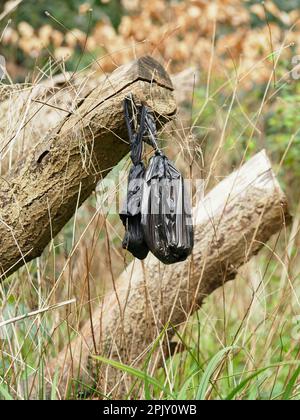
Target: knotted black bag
[
  {"x": 157, "y": 213},
  {"x": 166, "y": 209},
  {"x": 131, "y": 212}
]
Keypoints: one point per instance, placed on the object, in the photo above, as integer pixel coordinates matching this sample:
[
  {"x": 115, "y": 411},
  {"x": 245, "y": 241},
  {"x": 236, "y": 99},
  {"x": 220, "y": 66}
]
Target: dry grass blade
[{"x": 37, "y": 312}]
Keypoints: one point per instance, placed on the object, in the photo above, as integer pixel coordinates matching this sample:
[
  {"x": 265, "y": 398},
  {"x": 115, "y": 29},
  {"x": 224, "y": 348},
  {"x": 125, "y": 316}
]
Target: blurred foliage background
[{"x": 178, "y": 31}]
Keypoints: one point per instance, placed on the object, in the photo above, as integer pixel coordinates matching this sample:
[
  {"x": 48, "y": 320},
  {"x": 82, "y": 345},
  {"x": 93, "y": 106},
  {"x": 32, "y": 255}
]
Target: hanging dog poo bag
[
  {"x": 131, "y": 212},
  {"x": 157, "y": 212},
  {"x": 166, "y": 209}
]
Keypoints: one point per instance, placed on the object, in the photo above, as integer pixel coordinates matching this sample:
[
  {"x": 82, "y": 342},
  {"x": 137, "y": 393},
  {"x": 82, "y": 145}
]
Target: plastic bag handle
[
  {"x": 146, "y": 123},
  {"x": 127, "y": 100},
  {"x": 135, "y": 137},
  {"x": 151, "y": 131},
  {"x": 141, "y": 132}
]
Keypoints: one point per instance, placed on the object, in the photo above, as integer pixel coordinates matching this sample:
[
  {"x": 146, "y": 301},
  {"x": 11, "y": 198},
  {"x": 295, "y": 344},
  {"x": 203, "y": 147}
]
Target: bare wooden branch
[
  {"x": 43, "y": 105},
  {"x": 234, "y": 221},
  {"x": 41, "y": 193}
]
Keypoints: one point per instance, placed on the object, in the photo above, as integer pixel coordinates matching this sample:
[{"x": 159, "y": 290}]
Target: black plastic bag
[
  {"x": 157, "y": 212},
  {"x": 166, "y": 210},
  {"x": 131, "y": 212}
]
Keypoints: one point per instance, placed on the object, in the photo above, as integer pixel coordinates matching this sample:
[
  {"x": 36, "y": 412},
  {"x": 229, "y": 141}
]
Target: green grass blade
[
  {"x": 5, "y": 394},
  {"x": 182, "y": 395},
  {"x": 134, "y": 372},
  {"x": 147, "y": 361},
  {"x": 212, "y": 365},
  {"x": 54, "y": 386},
  {"x": 91, "y": 390},
  {"x": 147, "y": 388},
  {"x": 186, "y": 346},
  {"x": 290, "y": 386},
  {"x": 146, "y": 364},
  {"x": 243, "y": 383}
]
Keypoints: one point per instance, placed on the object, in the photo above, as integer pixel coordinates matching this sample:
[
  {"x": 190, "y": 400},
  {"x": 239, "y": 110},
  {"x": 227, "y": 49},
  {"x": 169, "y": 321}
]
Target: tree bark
[
  {"x": 43, "y": 105},
  {"x": 41, "y": 193},
  {"x": 233, "y": 222}
]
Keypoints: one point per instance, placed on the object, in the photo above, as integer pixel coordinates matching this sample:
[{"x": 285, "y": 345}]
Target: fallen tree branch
[
  {"x": 234, "y": 221},
  {"x": 43, "y": 105},
  {"x": 42, "y": 191}
]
